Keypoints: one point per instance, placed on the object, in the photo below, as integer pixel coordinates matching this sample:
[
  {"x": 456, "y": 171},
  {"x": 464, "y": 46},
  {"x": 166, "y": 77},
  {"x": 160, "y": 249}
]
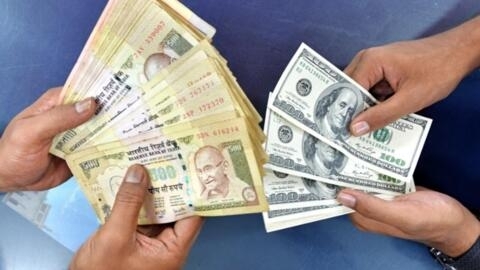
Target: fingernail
[
  {"x": 83, "y": 105},
  {"x": 134, "y": 175},
  {"x": 347, "y": 200},
  {"x": 360, "y": 128}
]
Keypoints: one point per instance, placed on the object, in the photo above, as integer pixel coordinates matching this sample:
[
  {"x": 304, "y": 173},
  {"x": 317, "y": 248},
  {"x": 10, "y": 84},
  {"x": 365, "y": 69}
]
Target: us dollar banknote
[
  {"x": 289, "y": 191},
  {"x": 320, "y": 99},
  {"x": 294, "y": 151},
  {"x": 275, "y": 220}
]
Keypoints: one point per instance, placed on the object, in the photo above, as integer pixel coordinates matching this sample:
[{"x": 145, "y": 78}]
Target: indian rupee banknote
[{"x": 207, "y": 171}]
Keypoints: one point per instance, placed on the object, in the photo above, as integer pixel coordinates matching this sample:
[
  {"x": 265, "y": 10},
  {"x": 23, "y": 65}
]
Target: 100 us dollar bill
[
  {"x": 290, "y": 191},
  {"x": 320, "y": 99},
  {"x": 275, "y": 220},
  {"x": 294, "y": 151}
]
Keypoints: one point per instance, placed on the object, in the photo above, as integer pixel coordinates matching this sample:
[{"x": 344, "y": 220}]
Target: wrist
[
  {"x": 457, "y": 244},
  {"x": 465, "y": 43},
  {"x": 470, "y": 260}
]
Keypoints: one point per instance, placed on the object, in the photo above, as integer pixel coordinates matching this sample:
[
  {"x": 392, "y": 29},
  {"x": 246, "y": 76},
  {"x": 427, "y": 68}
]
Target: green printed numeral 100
[
  {"x": 388, "y": 179},
  {"x": 393, "y": 160},
  {"x": 162, "y": 173}
]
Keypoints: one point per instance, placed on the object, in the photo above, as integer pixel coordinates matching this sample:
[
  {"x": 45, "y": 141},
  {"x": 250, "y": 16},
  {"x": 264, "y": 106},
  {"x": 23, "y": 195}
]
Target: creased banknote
[
  {"x": 152, "y": 43},
  {"x": 294, "y": 151},
  {"x": 206, "y": 171},
  {"x": 321, "y": 100},
  {"x": 289, "y": 191},
  {"x": 290, "y": 217}
]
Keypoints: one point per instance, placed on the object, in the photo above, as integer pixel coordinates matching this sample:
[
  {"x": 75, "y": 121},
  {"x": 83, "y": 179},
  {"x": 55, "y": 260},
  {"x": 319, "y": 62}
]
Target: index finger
[
  {"x": 365, "y": 69},
  {"x": 395, "y": 212},
  {"x": 375, "y": 226},
  {"x": 188, "y": 229},
  {"x": 44, "y": 103}
]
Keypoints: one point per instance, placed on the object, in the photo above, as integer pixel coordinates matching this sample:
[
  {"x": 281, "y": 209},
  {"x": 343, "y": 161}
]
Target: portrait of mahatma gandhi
[
  {"x": 155, "y": 63},
  {"x": 212, "y": 171},
  {"x": 335, "y": 109},
  {"x": 321, "y": 190},
  {"x": 114, "y": 183},
  {"x": 324, "y": 160}
]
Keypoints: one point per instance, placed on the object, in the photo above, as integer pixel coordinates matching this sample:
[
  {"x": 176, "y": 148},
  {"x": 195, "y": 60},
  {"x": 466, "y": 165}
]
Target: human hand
[
  {"x": 432, "y": 218},
  {"x": 413, "y": 74},
  {"x": 118, "y": 245},
  {"x": 24, "y": 146}
]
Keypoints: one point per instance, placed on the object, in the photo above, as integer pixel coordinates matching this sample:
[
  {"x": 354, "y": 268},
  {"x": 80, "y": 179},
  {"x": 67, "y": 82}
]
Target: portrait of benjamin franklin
[
  {"x": 335, "y": 108},
  {"x": 322, "y": 190},
  {"x": 323, "y": 159}
]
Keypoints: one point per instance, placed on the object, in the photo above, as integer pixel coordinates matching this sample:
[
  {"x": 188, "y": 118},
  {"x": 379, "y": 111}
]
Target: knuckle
[
  {"x": 369, "y": 53},
  {"x": 129, "y": 196}
]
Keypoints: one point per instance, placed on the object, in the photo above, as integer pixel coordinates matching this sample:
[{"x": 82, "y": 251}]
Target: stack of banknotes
[
  {"x": 312, "y": 154},
  {"x": 166, "y": 99}
]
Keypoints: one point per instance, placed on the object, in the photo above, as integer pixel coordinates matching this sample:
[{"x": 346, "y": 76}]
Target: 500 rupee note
[{"x": 206, "y": 171}]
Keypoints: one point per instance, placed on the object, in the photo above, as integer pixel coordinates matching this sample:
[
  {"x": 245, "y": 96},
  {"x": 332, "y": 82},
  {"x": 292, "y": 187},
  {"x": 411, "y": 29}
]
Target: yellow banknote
[{"x": 207, "y": 171}]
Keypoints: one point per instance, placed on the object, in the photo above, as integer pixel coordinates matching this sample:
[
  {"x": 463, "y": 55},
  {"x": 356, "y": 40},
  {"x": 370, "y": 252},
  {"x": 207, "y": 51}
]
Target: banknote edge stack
[
  {"x": 297, "y": 190},
  {"x": 161, "y": 131}
]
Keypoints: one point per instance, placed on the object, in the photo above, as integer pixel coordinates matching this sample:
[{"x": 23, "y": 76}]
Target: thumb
[
  {"x": 388, "y": 212},
  {"x": 381, "y": 114},
  {"x": 60, "y": 118},
  {"x": 367, "y": 69},
  {"x": 128, "y": 202}
]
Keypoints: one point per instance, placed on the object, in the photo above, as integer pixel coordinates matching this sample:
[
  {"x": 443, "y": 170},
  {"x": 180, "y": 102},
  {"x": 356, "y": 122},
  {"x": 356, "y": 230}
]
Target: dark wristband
[{"x": 470, "y": 260}]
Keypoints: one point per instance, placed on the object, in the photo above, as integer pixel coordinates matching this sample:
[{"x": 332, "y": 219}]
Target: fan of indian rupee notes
[{"x": 167, "y": 99}]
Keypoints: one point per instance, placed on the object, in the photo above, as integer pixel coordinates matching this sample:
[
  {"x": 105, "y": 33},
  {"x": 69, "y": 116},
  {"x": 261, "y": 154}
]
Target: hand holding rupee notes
[
  {"x": 167, "y": 100},
  {"x": 312, "y": 154}
]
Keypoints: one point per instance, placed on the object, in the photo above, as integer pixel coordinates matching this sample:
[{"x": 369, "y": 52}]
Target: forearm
[{"x": 464, "y": 43}]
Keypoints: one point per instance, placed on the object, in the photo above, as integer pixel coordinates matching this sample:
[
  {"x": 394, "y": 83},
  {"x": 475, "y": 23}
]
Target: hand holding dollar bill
[{"x": 313, "y": 153}]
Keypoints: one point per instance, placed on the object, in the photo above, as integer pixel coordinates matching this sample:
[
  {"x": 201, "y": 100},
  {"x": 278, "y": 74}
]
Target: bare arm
[{"x": 419, "y": 72}]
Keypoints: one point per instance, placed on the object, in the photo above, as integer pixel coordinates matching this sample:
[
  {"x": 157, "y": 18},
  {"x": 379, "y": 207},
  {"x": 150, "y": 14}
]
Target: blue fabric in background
[
  {"x": 41, "y": 40},
  {"x": 451, "y": 156}
]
